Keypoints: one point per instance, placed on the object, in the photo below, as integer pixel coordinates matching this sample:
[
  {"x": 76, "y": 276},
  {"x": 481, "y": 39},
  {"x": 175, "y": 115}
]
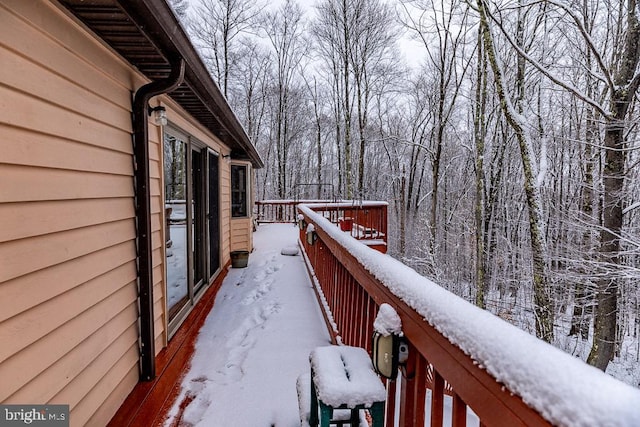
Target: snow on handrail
[{"x": 562, "y": 388}]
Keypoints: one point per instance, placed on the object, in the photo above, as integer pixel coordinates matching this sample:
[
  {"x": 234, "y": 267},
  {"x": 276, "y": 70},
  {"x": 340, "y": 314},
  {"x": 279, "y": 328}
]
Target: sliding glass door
[{"x": 192, "y": 206}]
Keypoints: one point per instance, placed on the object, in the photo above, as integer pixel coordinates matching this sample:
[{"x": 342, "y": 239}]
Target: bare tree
[
  {"x": 248, "y": 94},
  {"x": 180, "y": 7},
  {"x": 318, "y": 100},
  {"x": 284, "y": 31},
  {"x": 218, "y": 30},
  {"x": 372, "y": 42},
  {"x": 333, "y": 33}
]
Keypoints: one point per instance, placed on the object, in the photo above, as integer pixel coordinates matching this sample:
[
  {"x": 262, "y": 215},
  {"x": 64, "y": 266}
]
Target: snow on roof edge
[{"x": 563, "y": 389}]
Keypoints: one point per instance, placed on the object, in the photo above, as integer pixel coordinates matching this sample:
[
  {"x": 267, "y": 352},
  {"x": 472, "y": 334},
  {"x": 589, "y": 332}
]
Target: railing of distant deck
[
  {"x": 267, "y": 211},
  {"x": 352, "y": 295},
  {"x": 365, "y": 221}
]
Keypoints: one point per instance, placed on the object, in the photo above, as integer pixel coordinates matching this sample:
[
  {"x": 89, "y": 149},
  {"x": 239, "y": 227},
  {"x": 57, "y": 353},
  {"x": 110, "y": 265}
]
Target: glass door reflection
[
  {"x": 175, "y": 175},
  {"x": 197, "y": 218}
]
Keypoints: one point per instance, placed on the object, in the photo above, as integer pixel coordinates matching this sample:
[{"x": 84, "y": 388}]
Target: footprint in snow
[
  {"x": 270, "y": 309},
  {"x": 260, "y": 275},
  {"x": 273, "y": 268},
  {"x": 258, "y": 292}
]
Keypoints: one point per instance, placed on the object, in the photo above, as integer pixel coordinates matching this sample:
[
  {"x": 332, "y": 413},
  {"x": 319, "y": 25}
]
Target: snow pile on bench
[{"x": 344, "y": 375}]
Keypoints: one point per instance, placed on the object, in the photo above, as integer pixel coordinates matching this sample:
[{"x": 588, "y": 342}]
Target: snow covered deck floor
[{"x": 255, "y": 341}]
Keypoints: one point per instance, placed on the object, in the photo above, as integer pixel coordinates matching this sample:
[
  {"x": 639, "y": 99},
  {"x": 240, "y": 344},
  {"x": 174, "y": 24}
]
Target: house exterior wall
[
  {"x": 68, "y": 279},
  {"x": 241, "y": 236},
  {"x": 68, "y": 288}
]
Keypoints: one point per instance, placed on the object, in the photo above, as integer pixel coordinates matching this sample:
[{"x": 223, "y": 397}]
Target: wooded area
[{"x": 507, "y": 144}]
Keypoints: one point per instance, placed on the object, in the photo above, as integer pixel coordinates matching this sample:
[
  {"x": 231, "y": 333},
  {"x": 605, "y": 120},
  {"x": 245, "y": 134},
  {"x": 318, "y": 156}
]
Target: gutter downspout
[{"x": 143, "y": 211}]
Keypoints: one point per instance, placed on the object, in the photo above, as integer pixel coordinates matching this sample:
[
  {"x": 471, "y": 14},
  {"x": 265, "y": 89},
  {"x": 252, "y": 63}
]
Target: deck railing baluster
[
  {"x": 459, "y": 416},
  {"x": 437, "y": 399}
]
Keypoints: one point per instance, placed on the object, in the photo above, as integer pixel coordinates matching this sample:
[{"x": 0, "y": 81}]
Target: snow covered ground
[{"x": 255, "y": 342}]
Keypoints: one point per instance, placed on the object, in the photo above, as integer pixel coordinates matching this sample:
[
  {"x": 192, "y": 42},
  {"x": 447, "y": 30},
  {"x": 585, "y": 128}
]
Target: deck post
[{"x": 413, "y": 390}]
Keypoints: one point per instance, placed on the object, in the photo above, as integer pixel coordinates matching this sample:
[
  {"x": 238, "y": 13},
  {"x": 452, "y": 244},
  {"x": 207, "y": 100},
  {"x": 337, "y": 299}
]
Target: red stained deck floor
[{"x": 149, "y": 402}]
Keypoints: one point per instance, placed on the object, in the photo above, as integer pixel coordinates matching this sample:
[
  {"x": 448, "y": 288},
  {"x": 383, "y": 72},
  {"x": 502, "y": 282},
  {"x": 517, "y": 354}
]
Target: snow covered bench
[{"x": 343, "y": 378}]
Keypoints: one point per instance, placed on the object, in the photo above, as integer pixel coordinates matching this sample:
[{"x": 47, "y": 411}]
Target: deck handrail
[
  {"x": 505, "y": 375},
  {"x": 364, "y": 220}
]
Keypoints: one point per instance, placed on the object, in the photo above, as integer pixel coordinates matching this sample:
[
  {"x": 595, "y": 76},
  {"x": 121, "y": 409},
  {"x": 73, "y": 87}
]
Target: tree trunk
[
  {"x": 603, "y": 347},
  {"x": 403, "y": 214},
  {"x": 626, "y": 86},
  {"x": 479, "y": 134},
  {"x": 542, "y": 303}
]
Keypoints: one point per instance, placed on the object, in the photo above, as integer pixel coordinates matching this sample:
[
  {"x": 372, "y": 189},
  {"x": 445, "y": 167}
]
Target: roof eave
[{"x": 156, "y": 21}]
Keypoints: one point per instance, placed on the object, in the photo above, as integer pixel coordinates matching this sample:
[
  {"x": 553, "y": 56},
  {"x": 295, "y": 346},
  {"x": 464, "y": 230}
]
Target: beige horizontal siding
[
  {"x": 22, "y": 220},
  {"x": 24, "y": 147},
  {"x": 156, "y": 172},
  {"x": 24, "y": 256},
  {"x": 68, "y": 279},
  {"x": 99, "y": 366},
  {"x": 43, "y": 117},
  {"x": 24, "y": 183},
  {"x": 26, "y": 76},
  {"x": 20, "y": 294},
  {"x": 38, "y": 31},
  {"x": 20, "y": 331},
  {"x": 24, "y": 366},
  {"x": 225, "y": 210},
  {"x": 47, "y": 384},
  {"x": 85, "y": 409},
  {"x": 116, "y": 398},
  {"x": 159, "y": 319},
  {"x": 240, "y": 238}
]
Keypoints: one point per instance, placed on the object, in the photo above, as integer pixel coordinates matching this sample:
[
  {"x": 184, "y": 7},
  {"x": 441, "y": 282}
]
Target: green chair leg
[
  {"x": 377, "y": 414},
  {"x": 313, "y": 411},
  {"x": 354, "y": 421},
  {"x": 326, "y": 414}
]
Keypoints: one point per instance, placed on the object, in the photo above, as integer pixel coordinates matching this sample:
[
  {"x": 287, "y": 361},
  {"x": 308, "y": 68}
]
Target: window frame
[{"x": 242, "y": 192}]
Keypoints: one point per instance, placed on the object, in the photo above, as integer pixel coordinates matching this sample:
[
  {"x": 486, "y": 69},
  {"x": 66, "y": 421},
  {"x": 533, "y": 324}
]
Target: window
[{"x": 238, "y": 191}]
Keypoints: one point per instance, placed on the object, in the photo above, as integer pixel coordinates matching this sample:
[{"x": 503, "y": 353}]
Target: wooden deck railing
[
  {"x": 267, "y": 211},
  {"x": 352, "y": 285},
  {"x": 365, "y": 221}
]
